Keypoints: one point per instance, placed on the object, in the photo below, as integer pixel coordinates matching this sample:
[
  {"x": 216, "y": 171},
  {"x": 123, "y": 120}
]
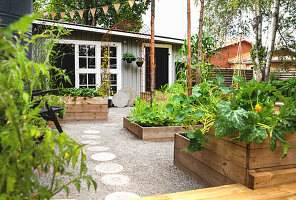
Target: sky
[{"x": 171, "y": 18}]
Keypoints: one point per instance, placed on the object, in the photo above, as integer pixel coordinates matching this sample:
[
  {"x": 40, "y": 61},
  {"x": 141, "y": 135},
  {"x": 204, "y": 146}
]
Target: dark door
[
  {"x": 64, "y": 58},
  {"x": 162, "y": 68}
]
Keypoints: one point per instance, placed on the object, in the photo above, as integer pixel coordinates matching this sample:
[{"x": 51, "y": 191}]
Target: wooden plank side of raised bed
[
  {"x": 272, "y": 178},
  {"x": 260, "y": 158},
  {"x": 133, "y": 128},
  {"x": 290, "y": 138},
  {"x": 88, "y": 100},
  {"x": 200, "y": 169},
  {"x": 228, "y": 150},
  {"x": 87, "y": 108},
  {"x": 86, "y": 116},
  {"x": 217, "y": 162}
]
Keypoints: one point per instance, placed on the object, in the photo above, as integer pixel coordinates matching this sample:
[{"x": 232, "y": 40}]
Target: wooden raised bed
[
  {"x": 223, "y": 162},
  {"x": 156, "y": 134},
  {"x": 91, "y": 108}
]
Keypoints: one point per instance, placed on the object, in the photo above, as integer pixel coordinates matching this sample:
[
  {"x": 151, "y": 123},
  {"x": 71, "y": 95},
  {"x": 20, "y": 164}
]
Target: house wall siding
[{"x": 130, "y": 73}]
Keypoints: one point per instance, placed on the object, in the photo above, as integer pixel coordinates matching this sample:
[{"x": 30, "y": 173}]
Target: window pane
[
  {"x": 113, "y": 79},
  {"x": 91, "y": 51},
  {"x": 113, "y": 90},
  {"x": 113, "y": 52},
  {"x": 91, "y": 63},
  {"x": 92, "y": 87},
  {"x": 113, "y": 63},
  {"x": 91, "y": 79},
  {"x": 82, "y": 79},
  {"x": 82, "y": 63},
  {"x": 82, "y": 50}
]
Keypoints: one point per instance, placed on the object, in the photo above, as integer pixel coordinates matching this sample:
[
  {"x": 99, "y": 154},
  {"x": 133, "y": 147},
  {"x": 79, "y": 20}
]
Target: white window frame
[
  {"x": 171, "y": 68},
  {"x": 96, "y": 70}
]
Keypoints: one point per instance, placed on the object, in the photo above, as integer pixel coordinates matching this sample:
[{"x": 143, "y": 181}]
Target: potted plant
[
  {"x": 140, "y": 61},
  {"x": 128, "y": 57}
]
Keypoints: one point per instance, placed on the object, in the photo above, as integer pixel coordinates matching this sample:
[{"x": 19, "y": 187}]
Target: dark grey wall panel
[{"x": 12, "y": 10}]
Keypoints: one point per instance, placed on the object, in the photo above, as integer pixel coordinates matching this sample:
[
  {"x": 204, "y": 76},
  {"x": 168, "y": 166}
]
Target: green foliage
[
  {"x": 240, "y": 118},
  {"x": 156, "y": 114},
  {"x": 128, "y": 56},
  {"x": 199, "y": 108},
  {"x": 80, "y": 92},
  {"x": 108, "y": 21},
  {"x": 24, "y": 159},
  {"x": 286, "y": 87}
]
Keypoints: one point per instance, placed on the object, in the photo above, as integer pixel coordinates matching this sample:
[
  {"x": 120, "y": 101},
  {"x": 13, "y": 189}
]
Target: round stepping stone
[
  {"x": 91, "y": 142},
  {"x": 91, "y": 132},
  {"x": 104, "y": 156},
  {"x": 91, "y": 136},
  {"x": 115, "y": 179},
  {"x": 121, "y": 196},
  {"x": 109, "y": 168},
  {"x": 97, "y": 148}
]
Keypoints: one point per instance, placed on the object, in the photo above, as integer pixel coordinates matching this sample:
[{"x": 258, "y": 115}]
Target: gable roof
[{"x": 96, "y": 29}]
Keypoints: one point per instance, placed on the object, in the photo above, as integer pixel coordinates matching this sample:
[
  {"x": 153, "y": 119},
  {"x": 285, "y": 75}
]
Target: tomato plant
[{"x": 23, "y": 158}]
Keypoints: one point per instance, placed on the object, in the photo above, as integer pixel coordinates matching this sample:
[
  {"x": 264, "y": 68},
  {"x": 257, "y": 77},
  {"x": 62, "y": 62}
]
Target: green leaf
[
  {"x": 180, "y": 117},
  {"x": 169, "y": 108},
  {"x": 225, "y": 90},
  {"x": 199, "y": 113},
  {"x": 220, "y": 78},
  {"x": 190, "y": 134}
]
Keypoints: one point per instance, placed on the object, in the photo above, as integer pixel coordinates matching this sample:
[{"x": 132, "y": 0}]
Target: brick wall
[{"x": 230, "y": 51}]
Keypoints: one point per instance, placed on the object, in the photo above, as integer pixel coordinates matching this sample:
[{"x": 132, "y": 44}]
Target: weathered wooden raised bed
[
  {"x": 90, "y": 108},
  {"x": 157, "y": 134},
  {"x": 223, "y": 162}
]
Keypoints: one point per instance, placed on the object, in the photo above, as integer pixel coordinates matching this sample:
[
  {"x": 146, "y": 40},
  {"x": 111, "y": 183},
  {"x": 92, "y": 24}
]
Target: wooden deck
[{"x": 232, "y": 192}]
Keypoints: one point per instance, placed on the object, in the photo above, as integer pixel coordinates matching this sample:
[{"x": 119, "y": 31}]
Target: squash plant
[
  {"x": 23, "y": 158},
  {"x": 248, "y": 115},
  {"x": 199, "y": 108}
]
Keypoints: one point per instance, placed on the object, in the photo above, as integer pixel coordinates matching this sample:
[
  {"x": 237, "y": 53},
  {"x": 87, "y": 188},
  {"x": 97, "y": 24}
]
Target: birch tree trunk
[
  {"x": 199, "y": 52},
  {"x": 271, "y": 37},
  {"x": 257, "y": 28}
]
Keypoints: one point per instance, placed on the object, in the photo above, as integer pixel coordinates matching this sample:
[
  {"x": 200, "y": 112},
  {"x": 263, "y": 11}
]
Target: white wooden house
[{"x": 82, "y": 56}]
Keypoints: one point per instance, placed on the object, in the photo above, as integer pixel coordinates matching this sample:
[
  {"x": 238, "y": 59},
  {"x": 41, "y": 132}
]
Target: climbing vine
[{"x": 104, "y": 89}]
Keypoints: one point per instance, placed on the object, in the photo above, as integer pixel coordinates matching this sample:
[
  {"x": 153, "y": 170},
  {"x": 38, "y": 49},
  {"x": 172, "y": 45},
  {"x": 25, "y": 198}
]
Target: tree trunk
[
  {"x": 271, "y": 37},
  {"x": 199, "y": 52},
  {"x": 257, "y": 28}
]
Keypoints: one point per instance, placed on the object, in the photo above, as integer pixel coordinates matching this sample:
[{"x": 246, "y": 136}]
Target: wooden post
[
  {"x": 152, "y": 51},
  {"x": 199, "y": 53},
  {"x": 189, "y": 79}
]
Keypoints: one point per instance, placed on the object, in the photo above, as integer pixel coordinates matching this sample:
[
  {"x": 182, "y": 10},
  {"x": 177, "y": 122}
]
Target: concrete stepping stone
[
  {"x": 90, "y": 142},
  {"x": 121, "y": 196},
  {"x": 91, "y": 132},
  {"x": 115, "y": 179},
  {"x": 97, "y": 148},
  {"x": 109, "y": 168},
  {"x": 91, "y": 136},
  {"x": 104, "y": 156}
]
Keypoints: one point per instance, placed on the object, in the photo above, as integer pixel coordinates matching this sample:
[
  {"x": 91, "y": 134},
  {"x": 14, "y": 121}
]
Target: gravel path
[{"x": 123, "y": 165}]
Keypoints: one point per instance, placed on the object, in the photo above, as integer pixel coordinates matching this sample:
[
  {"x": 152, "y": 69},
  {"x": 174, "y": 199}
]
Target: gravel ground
[{"x": 147, "y": 167}]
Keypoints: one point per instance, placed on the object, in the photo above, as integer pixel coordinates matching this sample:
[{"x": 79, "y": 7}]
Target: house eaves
[{"x": 103, "y": 31}]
